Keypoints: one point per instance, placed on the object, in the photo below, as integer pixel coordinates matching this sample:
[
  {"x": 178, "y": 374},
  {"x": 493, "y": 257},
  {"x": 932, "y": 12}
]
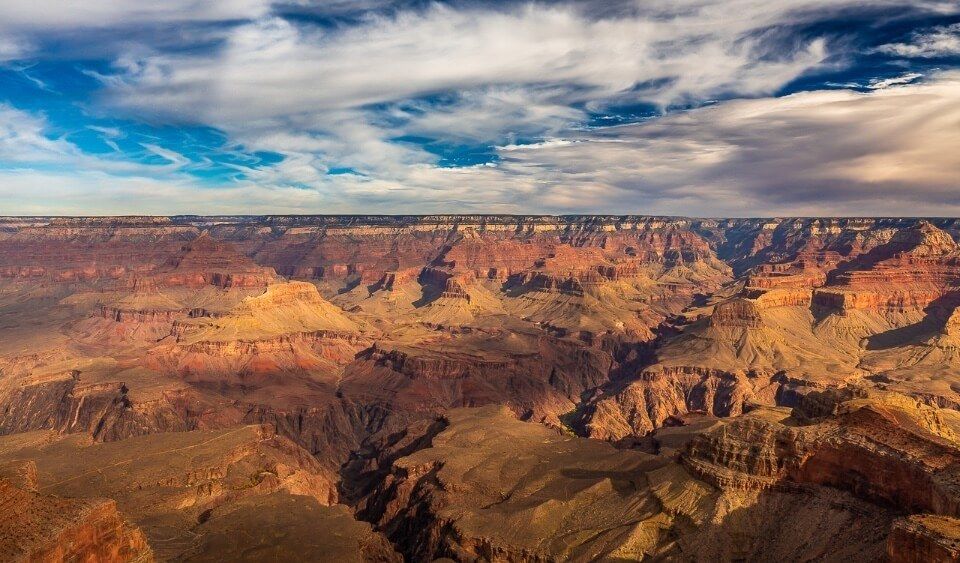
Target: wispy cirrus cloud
[
  {"x": 274, "y": 69},
  {"x": 46, "y": 15},
  {"x": 23, "y": 142},
  {"x": 939, "y": 42}
]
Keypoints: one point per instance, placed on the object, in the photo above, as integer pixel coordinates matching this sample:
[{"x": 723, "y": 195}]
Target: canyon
[{"x": 479, "y": 388}]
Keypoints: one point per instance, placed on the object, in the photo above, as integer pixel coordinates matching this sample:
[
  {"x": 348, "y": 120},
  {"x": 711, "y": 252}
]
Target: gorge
[{"x": 479, "y": 388}]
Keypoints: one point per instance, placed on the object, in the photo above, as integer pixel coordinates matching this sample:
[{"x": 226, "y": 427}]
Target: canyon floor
[{"x": 479, "y": 388}]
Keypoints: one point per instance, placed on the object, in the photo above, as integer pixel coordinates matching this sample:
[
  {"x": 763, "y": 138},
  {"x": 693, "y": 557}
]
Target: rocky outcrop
[
  {"x": 288, "y": 328},
  {"x": 283, "y": 309},
  {"x": 186, "y": 489},
  {"x": 41, "y": 527},
  {"x": 648, "y": 402},
  {"x": 206, "y": 261},
  {"x": 68, "y": 405},
  {"x": 889, "y": 436},
  {"x": 822, "y": 315},
  {"x": 489, "y": 487},
  {"x": 924, "y": 538},
  {"x": 739, "y": 313},
  {"x": 543, "y": 282},
  {"x": 807, "y": 270},
  {"x": 392, "y": 281},
  {"x": 446, "y": 284},
  {"x": 919, "y": 265},
  {"x": 540, "y": 378}
]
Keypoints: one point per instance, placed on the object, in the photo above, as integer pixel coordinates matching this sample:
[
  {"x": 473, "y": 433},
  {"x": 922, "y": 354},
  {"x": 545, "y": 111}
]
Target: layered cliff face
[
  {"x": 564, "y": 275},
  {"x": 480, "y": 485},
  {"x": 90, "y": 250},
  {"x": 44, "y": 527},
  {"x": 918, "y": 266},
  {"x": 207, "y": 261},
  {"x": 764, "y": 349},
  {"x": 837, "y": 306},
  {"x": 350, "y": 339},
  {"x": 924, "y": 538},
  {"x": 538, "y": 376},
  {"x": 289, "y": 327},
  {"x": 842, "y": 441},
  {"x": 195, "y": 495}
]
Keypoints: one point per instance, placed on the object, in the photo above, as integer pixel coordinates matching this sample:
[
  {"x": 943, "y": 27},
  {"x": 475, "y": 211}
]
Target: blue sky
[{"x": 687, "y": 107}]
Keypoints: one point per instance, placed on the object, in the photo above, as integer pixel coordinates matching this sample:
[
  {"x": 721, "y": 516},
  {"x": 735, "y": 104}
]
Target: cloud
[
  {"x": 12, "y": 48},
  {"x": 888, "y": 152},
  {"x": 174, "y": 158},
  {"x": 272, "y": 69},
  {"x": 526, "y": 77},
  {"x": 881, "y": 83},
  {"x": 939, "y": 42},
  {"x": 26, "y": 145},
  {"x": 492, "y": 113},
  {"x": 23, "y": 142},
  {"x": 71, "y": 14},
  {"x": 336, "y": 97},
  {"x": 44, "y": 175},
  {"x": 89, "y": 192}
]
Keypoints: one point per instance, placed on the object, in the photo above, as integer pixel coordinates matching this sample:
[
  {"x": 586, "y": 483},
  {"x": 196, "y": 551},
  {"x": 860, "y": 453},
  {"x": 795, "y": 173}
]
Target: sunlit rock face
[
  {"x": 44, "y": 527},
  {"x": 480, "y": 387}
]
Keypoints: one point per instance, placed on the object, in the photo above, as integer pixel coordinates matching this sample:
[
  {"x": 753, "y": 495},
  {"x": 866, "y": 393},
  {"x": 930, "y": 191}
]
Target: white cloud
[
  {"x": 111, "y": 132},
  {"x": 12, "y": 48},
  {"x": 939, "y": 42},
  {"x": 491, "y": 113},
  {"x": 272, "y": 69},
  {"x": 174, "y": 158},
  {"x": 73, "y": 14},
  {"x": 26, "y": 146},
  {"x": 881, "y": 83},
  {"x": 889, "y": 152},
  {"x": 89, "y": 192},
  {"x": 518, "y": 73},
  {"x": 22, "y": 139}
]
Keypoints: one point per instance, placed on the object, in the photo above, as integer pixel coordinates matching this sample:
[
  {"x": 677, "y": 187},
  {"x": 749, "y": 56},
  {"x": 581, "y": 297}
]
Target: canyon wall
[{"x": 348, "y": 340}]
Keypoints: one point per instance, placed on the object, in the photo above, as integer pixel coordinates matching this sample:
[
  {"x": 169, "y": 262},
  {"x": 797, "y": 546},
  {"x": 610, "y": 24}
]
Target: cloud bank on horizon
[{"x": 683, "y": 107}]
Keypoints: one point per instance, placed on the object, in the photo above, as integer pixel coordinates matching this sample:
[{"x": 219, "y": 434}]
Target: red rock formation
[
  {"x": 103, "y": 410},
  {"x": 481, "y": 485},
  {"x": 188, "y": 491},
  {"x": 891, "y": 437},
  {"x": 919, "y": 265},
  {"x": 649, "y": 402},
  {"x": 736, "y": 313},
  {"x": 807, "y": 270},
  {"x": 38, "y": 527},
  {"x": 924, "y": 538},
  {"x": 539, "y": 378},
  {"x": 289, "y": 328},
  {"x": 616, "y": 327},
  {"x": 89, "y": 250},
  {"x": 206, "y": 261}
]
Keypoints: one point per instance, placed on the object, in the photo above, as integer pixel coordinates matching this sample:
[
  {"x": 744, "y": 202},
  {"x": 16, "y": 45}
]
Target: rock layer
[{"x": 347, "y": 341}]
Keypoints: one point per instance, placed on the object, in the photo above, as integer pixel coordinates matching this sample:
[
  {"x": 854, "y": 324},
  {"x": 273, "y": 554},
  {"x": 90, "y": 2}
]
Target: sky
[{"x": 710, "y": 108}]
